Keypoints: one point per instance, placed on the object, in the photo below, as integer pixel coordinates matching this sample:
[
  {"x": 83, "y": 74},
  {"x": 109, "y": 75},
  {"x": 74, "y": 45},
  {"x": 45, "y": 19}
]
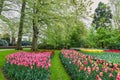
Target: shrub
[
  {"x": 115, "y": 46},
  {"x": 26, "y": 43},
  {"x": 82, "y": 67},
  {"x": 3, "y": 43},
  {"x": 45, "y": 46},
  {"x": 28, "y": 66}
]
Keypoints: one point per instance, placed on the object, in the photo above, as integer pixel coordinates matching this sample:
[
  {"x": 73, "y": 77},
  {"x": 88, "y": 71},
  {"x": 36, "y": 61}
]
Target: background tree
[
  {"x": 115, "y": 4},
  {"x": 1, "y": 5},
  {"x": 18, "y": 47},
  {"x": 102, "y": 23},
  {"x": 102, "y": 16}
]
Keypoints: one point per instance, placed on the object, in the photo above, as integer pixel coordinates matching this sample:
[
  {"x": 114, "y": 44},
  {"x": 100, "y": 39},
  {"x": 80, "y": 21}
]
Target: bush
[
  {"x": 26, "y": 43},
  {"x": 28, "y": 66},
  {"x": 3, "y": 43},
  {"x": 45, "y": 46},
  {"x": 115, "y": 46}
]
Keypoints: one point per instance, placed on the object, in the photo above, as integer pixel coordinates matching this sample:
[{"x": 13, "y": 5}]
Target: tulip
[{"x": 101, "y": 74}]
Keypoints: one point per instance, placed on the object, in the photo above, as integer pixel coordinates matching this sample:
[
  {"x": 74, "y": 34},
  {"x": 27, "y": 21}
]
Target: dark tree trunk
[
  {"x": 13, "y": 41},
  {"x": 19, "y": 47},
  {"x": 1, "y": 6},
  {"x": 35, "y": 37},
  {"x": 35, "y": 29}
]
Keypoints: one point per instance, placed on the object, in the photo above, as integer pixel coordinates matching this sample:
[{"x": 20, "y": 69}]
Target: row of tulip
[
  {"x": 82, "y": 67},
  {"x": 98, "y": 50},
  {"x": 113, "y": 51},
  {"x": 28, "y": 66},
  {"x": 92, "y": 50}
]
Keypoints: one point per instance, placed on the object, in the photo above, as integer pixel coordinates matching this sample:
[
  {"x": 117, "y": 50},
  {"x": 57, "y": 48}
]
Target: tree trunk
[
  {"x": 35, "y": 29},
  {"x": 19, "y": 47},
  {"x": 1, "y": 6},
  {"x": 35, "y": 37},
  {"x": 13, "y": 41}
]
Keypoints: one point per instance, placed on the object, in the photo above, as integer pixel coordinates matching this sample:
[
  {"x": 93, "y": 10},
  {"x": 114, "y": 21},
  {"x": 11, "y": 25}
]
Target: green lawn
[
  {"x": 2, "y": 60},
  {"x": 3, "y": 53},
  {"x": 57, "y": 70}
]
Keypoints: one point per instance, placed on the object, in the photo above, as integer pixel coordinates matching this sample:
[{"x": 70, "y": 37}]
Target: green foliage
[
  {"x": 45, "y": 46},
  {"x": 3, "y": 43},
  {"x": 114, "y": 46},
  {"x": 102, "y": 16},
  {"x": 15, "y": 72},
  {"x": 115, "y": 4}
]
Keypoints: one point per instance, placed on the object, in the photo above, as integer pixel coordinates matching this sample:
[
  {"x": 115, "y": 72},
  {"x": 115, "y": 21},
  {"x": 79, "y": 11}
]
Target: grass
[
  {"x": 57, "y": 70},
  {"x": 108, "y": 56},
  {"x": 3, "y": 53},
  {"x": 2, "y": 60}
]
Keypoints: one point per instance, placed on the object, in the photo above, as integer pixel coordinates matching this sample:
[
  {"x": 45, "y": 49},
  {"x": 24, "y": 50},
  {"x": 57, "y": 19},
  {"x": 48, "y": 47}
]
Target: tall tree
[
  {"x": 102, "y": 22},
  {"x": 115, "y": 4},
  {"x": 1, "y": 5},
  {"x": 35, "y": 26},
  {"x": 18, "y": 47},
  {"x": 102, "y": 16}
]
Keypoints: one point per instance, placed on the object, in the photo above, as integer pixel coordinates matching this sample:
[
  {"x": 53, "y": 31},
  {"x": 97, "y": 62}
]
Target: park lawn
[
  {"x": 108, "y": 56},
  {"x": 2, "y": 60},
  {"x": 3, "y": 53},
  {"x": 57, "y": 70}
]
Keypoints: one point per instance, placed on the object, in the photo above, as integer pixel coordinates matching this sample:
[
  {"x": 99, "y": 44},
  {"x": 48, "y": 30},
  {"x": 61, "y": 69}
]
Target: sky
[
  {"x": 94, "y": 6},
  {"x": 96, "y": 2}
]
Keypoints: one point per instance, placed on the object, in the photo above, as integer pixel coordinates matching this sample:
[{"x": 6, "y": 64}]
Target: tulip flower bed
[
  {"x": 113, "y": 51},
  {"x": 52, "y": 51},
  {"x": 28, "y": 66},
  {"x": 91, "y": 50},
  {"x": 108, "y": 56},
  {"x": 82, "y": 67}
]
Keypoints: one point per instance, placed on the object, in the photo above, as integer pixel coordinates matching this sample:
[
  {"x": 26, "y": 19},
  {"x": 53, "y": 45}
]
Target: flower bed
[
  {"x": 113, "y": 51},
  {"x": 91, "y": 50},
  {"x": 82, "y": 67},
  {"x": 28, "y": 66},
  {"x": 52, "y": 51}
]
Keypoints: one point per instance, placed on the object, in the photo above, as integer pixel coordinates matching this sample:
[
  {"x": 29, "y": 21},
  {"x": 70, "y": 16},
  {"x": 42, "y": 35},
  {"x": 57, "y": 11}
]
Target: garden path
[{"x": 57, "y": 70}]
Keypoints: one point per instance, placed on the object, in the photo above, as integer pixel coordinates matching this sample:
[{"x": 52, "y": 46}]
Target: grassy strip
[
  {"x": 57, "y": 70},
  {"x": 2, "y": 60}
]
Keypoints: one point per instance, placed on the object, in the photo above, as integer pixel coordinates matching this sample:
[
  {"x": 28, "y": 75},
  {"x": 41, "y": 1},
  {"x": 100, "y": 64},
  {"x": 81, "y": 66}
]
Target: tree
[
  {"x": 102, "y": 16},
  {"x": 1, "y": 5},
  {"x": 102, "y": 24},
  {"x": 116, "y": 12},
  {"x": 35, "y": 28},
  {"x": 18, "y": 47}
]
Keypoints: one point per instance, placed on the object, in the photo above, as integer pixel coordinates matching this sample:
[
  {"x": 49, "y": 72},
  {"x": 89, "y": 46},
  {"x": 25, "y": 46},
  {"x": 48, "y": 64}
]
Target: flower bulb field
[{"x": 65, "y": 64}]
